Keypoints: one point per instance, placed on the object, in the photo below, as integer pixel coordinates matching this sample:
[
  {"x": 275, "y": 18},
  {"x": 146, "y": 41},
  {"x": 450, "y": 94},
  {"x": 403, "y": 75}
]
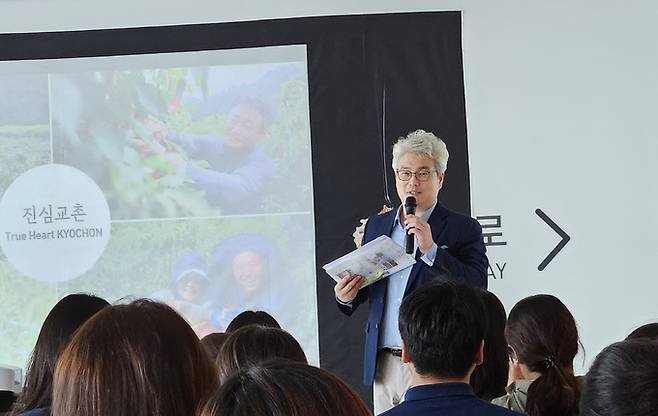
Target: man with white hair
[{"x": 447, "y": 246}]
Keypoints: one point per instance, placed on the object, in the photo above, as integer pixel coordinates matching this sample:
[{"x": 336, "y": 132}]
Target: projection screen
[{"x": 181, "y": 177}]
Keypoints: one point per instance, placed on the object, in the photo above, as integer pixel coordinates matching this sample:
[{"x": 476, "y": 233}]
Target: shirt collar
[
  {"x": 426, "y": 215},
  {"x": 434, "y": 391}
]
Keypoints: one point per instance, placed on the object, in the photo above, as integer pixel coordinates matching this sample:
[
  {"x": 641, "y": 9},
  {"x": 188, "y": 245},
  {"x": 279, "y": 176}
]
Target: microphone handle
[
  {"x": 410, "y": 209},
  {"x": 410, "y": 243}
]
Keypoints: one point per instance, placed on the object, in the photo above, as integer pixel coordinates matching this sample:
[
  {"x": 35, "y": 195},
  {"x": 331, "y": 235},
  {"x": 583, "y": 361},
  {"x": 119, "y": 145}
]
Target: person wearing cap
[{"x": 188, "y": 291}]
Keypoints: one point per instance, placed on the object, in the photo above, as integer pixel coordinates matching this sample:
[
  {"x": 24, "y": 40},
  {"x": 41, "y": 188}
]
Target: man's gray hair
[{"x": 423, "y": 143}]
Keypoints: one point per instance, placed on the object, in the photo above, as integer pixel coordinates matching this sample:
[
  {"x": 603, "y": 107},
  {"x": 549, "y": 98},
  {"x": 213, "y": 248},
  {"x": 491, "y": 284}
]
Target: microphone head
[{"x": 410, "y": 205}]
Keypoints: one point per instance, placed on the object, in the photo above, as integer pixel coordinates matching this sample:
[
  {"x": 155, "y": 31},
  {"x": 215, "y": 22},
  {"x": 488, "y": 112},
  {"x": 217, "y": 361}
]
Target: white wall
[
  {"x": 562, "y": 105},
  {"x": 563, "y": 116}
]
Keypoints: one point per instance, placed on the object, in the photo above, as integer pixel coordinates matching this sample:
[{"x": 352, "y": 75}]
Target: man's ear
[
  {"x": 405, "y": 354},
  {"x": 479, "y": 357}
]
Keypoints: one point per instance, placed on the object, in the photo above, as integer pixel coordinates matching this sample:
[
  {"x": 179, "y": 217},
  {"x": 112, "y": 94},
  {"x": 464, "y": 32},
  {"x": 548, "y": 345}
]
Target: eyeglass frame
[{"x": 415, "y": 174}]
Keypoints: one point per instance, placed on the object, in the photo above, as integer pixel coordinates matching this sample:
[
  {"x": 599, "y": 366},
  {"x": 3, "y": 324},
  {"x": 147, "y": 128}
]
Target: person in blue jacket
[
  {"x": 234, "y": 170},
  {"x": 442, "y": 343},
  {"x": 447, "y": 245},
  {"x": 238, "y": 169}
]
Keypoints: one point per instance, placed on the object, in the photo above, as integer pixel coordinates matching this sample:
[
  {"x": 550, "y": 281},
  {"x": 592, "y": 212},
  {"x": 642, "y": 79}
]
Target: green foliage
[
  {"x": 104, "y": 124},
  {"x": 117, "y": 132},
  {"x": 22, "y": 313},
  {"x": 20, "y": 131},
  {"x": 147, "y": 251},
  {"x": 289, "y": 140},
  {"x": 119, "y": 139},
  {"x": 138, "y": 262},
  {"x": 214, "y": 124},
  {"x": 20, "y": 153}
]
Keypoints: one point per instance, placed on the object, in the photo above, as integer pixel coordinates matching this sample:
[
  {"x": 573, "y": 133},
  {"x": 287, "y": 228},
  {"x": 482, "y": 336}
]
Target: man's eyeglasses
[{"x": 422, "y": 175}]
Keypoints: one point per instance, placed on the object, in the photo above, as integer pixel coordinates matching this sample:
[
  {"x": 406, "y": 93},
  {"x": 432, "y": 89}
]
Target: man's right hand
[{"x": 348, "y": 287}]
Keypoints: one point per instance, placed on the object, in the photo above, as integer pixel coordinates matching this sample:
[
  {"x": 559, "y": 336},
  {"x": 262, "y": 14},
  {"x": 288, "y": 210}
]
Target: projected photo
[
  {"x": 211, "y": 270},
  {"x": 24, "y": 125},
  {"x": 185, "y": 142},
  {"x": 181, "y": 177}
]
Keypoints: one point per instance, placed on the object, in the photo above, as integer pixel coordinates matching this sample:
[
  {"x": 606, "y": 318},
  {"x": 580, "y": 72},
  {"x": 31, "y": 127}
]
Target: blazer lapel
[{"x": 384, "y": 224}]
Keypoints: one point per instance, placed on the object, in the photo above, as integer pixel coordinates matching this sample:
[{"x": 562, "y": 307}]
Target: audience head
[
  {"x": 213, "y": 343},
  {"x": 254, "y": 344},
  {"x": 442, "y": 327},
  {"x": 57, "y": 329},
  {"x": 648, "y": 331},
  {"x": 489, "y": 379},
  {"x": 623, "y": 381},
  {"x": 288, "y": 388},
  {"x": 261, "y": 318},
  {"x": 135, "y": 359},
  {"x": 543, "y": 338}
]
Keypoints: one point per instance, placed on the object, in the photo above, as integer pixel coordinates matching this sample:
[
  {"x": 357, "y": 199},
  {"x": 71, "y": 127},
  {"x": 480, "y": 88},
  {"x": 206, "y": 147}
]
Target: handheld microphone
[{"x": 410, "y": 209}]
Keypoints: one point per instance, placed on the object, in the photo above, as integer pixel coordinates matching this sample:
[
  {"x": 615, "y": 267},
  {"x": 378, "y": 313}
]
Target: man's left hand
[{"x": 421, "y": 231}]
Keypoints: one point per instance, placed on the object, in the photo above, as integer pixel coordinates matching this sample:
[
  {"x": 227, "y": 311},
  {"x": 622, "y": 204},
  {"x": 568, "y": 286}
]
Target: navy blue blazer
[
  {"x": 461, "y": 257},
  {"x": 450, "y": 399}
]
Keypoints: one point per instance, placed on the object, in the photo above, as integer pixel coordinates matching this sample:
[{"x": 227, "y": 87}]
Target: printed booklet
[{"x": 375, "y": 260}]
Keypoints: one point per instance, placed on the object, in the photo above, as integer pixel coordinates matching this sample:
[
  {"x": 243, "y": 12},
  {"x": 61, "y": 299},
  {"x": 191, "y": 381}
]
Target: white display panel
[{"x": 562, "y": 117}]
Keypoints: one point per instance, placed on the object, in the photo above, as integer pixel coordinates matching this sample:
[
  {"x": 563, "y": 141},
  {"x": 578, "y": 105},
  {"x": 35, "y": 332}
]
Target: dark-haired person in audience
[
  {"x": 246, "y": 318},
  {"x": 254, "y": 344},
  {"x": 139, "y": 359},
  {"x": 648, "y": 331},
  {"x": 7, "y": 400},
  {"x": 623, "y": 381},
  {"x": 543, "y": 342},
  {"x": 285, "y": 388},
  {"x": 447, "y": 244},
  {"x": 443, "y": 326},
  {"x": 490, "y": 378},
  {"x": 213, "y": 343},
  {"x": 62, "y": 321}
]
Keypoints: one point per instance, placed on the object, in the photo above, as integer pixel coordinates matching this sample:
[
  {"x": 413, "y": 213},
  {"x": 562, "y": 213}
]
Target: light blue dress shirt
[{"x": 389, "y": 335}]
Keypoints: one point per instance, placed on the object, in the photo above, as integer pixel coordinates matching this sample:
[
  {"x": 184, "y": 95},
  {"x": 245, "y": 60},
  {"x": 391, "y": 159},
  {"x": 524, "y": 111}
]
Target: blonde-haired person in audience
[{"x": 139, "y": 359}]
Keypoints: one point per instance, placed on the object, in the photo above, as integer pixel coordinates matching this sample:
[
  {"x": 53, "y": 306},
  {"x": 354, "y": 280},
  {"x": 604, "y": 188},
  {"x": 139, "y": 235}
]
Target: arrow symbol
[{"x": 559, "y": 246}]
